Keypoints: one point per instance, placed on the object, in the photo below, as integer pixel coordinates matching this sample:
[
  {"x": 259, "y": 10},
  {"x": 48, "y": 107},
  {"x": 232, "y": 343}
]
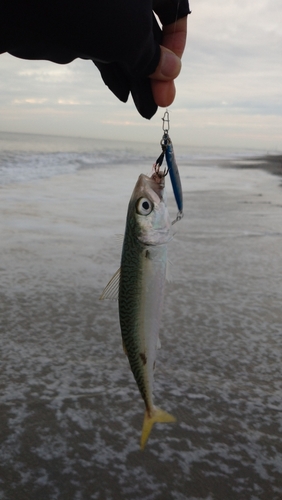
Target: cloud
[
  {"x": 233, "y": 56},
  {"x": 73, "y": 102},
  {"x": 47, "y": 75},
  {"x": 30, "y": 101}
]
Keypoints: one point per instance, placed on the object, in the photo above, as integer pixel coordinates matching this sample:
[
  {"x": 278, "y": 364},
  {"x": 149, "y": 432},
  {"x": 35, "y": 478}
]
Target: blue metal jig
[{"x": 167, "y": 148}]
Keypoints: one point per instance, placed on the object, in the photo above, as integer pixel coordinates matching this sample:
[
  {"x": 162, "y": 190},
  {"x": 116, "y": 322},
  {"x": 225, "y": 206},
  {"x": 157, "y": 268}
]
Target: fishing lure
[{"x": 172, "y": 168}]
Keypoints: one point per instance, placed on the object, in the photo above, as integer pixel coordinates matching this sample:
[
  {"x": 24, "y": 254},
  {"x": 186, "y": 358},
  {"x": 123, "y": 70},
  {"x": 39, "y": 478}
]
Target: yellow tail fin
[{"x": 157, "y": 416}]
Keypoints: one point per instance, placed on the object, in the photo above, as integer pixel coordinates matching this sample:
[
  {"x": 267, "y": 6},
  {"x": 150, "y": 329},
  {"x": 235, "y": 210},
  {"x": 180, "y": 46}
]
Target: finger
[
  {"x": 163, "y": 92},
  {"x": 174, "y": 36},
  {"x": 172, "y": 48},
  {"x": 169, "y": 66}
]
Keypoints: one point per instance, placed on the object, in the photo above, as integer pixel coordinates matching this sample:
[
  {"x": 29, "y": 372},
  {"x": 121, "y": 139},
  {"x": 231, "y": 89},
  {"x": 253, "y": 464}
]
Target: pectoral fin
[{"x": 112, "y": 289}]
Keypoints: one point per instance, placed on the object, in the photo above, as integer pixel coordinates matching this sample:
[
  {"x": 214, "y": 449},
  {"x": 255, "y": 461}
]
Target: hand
[{"x": 172, "y": 48}]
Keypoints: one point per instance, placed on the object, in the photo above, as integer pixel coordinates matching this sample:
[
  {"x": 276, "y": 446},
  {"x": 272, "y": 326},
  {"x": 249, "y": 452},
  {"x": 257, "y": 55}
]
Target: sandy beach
[
  {"x": 71, "y": 414},
  {"x": 272, "y": 163}
]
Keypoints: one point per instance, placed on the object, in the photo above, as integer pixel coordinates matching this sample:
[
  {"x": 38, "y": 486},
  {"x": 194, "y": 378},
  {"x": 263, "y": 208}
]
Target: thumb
[{"x": 169, "y": 66}]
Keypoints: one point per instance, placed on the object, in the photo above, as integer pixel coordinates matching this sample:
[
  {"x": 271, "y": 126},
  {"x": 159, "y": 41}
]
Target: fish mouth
[
  {"x": 159, "y": 178},
  {"x": 150, "y": 186}
]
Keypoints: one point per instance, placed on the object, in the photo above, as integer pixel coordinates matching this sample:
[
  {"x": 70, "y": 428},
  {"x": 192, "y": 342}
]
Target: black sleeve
[
  {"x": 171, "y": 10},
  {"x": 120, "y": 36}
]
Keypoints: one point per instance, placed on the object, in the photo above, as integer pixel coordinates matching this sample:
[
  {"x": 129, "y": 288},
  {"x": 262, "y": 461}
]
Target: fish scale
[{"x": 129, "y": 293}]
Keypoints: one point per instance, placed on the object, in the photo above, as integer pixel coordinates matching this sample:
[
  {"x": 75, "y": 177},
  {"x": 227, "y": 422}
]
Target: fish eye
[{"x": 144, "y": 206}]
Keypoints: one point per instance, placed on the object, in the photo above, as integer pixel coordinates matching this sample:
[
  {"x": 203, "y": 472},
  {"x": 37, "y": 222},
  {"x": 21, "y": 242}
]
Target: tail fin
[{"x": 157, "y": 416}]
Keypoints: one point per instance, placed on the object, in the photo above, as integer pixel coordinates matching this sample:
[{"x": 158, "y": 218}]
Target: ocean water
[
  {"x": 27, "y": 157},
  {"x": 70, "y": 412}
]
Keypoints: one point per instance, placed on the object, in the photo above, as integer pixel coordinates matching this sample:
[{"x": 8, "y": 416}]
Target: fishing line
[{"x": 168, "y": 152}]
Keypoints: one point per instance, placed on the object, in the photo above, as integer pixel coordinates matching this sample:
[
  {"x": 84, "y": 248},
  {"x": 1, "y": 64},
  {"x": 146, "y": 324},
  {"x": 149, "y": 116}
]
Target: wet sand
[
  {"x": 70, "y": 412},
  {"x": 272, "y": 163}
]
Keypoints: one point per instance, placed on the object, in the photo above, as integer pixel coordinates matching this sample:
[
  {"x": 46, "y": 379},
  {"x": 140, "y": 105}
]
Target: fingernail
[{"x": 171, "y": 65}]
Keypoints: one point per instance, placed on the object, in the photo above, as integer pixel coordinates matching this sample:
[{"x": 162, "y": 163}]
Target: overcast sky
[{"x": 229, "y": 92}]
